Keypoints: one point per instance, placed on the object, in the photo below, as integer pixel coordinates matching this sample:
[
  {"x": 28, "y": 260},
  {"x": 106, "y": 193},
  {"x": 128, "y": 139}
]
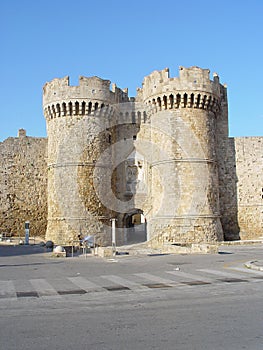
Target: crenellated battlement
[
  {"x": 193, "y": 81},
  {"x": 61, "y": 99},
  {"x": 192, "y": 89}
]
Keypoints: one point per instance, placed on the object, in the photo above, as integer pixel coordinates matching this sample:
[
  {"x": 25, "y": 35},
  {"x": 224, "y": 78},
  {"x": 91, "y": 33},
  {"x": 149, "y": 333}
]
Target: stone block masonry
[
  {"x": 23, "y": 185},
  {"x": 161, "y": 163},
  {"x": 249, "y": 172}
]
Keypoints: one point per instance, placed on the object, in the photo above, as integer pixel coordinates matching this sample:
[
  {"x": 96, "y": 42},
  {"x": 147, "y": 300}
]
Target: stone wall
[
  {"x": 23, "y": 185},
  {"x": 249, "y": 172},
  {"x": 228, "y": 183}
]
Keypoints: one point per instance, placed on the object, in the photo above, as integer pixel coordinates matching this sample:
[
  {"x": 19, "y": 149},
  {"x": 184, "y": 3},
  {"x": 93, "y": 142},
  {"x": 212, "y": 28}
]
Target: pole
[
  {"x": 113, "y": 235},
  {"x": 27, "y": 232}
]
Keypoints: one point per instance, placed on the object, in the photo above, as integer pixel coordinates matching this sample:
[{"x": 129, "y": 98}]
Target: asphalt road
[{"x": 145, "y": 302}]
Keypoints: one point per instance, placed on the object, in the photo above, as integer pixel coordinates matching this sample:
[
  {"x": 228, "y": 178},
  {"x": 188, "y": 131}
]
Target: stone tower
[
  {"x": 78, "y": 129},
  {"x": 151, "y": 162},
  {"x": 185, "y": 116}
]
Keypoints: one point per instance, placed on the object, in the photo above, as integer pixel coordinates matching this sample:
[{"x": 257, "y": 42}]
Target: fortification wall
[
  {"x": 23, "y": 185},
  {"x": 228, "y": 188},
  {"x": 226, "y": 171},
  {"x": 168, "y": 155},
  {"x": 249, "y": 165},
  {"x": 180, "y": 147}
]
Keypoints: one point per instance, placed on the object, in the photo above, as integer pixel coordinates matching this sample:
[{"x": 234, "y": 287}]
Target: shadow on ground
[{"x": 8, "y": 250}]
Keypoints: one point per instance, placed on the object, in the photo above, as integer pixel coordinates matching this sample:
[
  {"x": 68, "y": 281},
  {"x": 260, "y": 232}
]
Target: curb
[
  {"x": 242, "y": 242},
  {"x": 252, "y": 265}
]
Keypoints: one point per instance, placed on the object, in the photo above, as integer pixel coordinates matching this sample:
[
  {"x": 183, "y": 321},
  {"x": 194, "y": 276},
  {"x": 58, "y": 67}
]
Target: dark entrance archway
[{"x": 135, "y": 227}]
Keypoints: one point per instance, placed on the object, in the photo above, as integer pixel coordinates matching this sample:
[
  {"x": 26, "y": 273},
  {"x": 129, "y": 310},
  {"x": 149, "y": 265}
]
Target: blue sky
[{"x": 123, "y": 41}]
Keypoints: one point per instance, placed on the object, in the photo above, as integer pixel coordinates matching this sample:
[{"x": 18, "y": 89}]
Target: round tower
[
  {"x": 78, "y": 130},
  {"x": 184, "y": 174}
]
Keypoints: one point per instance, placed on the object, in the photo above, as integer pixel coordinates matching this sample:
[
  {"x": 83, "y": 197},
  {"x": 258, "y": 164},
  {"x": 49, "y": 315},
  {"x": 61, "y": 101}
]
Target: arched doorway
[{"x": 135, "y": 226}]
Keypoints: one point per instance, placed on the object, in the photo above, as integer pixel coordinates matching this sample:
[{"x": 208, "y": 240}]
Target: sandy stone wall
[
  {"x": 23, "y": 185},
  {"x": 241, "y": 193},
  {"x": 228, "y": 183},
  {"x": 249, "y": 166},
  {"x": 73, "y": 205}
]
